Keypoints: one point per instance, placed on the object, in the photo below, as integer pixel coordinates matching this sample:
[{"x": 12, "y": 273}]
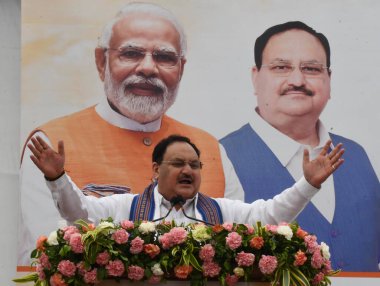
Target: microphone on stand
[
  {"x": 181, "y": 201},
  {"x": 174, "y": 201}
]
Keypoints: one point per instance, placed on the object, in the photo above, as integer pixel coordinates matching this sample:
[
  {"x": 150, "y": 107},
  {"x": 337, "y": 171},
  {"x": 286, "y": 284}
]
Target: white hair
[{"x": 149, "y": 8}]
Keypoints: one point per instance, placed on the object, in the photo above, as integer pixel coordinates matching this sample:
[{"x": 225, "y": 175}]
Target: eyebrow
[{"x": 140, "y": 47}]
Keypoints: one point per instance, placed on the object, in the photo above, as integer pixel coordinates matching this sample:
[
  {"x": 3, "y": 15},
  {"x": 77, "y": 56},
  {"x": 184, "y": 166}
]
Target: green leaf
[
  {"x": 297, "y": 275},
  {"x": 195, "y": 263},
  {"x": 27, "y": 278},
  {"x": 285, "y": 277}
]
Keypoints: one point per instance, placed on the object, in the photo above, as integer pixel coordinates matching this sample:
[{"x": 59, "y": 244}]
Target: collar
[
  {"x": 108, "y": 114},
  {"x": 282, "y": 146}
]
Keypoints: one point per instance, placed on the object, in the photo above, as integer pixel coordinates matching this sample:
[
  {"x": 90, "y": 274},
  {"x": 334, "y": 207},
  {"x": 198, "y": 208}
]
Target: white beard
[{"x": 142, "y": 109}]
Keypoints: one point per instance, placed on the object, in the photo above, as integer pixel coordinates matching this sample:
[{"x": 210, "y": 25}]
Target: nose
[
  {"x": 296, "y": 77},
  {"x": 147, "y": 66},
  {"x": 187, "y": 169}
]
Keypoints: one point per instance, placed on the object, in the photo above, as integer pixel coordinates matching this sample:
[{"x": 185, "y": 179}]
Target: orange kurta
[{"x": 100, "y": 153}]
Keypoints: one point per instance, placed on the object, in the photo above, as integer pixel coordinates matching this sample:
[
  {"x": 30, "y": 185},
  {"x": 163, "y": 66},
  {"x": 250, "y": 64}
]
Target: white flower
[
  {"x": 200, "y": 232},
  {"x": 325, "y": 250},
  {"x": 52, "y": 239},
  {"x": 285, "y": 231},
  {"x": 156, "y": 269},
  {"x": 238, "y": 271},
  {"x": 146, "y": 227},
  {"x": 105, "y": 224}
]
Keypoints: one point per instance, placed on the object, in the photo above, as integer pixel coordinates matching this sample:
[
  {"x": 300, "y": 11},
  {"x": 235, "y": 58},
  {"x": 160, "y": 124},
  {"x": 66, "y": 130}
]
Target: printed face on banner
[
  {"x": 142, "y": 67},
  {"x": 293, "y": 80}
]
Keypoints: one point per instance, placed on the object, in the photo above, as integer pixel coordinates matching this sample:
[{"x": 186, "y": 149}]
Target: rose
[
  {"x": 239, "y": 272},
  {"x": 165, "y": 240},
  {"x": 210, "y": 269},
  {"x": 178, "y": 235},
  {"x": 311, "y": 243},
  {"x": 52, "y": 239},
  {"x": 257, "y": 242},
  {"x": 182, "y": 271},
  {"x": 40, "y": 242},
  {"x": 68, "y": 231},
  {"x": 244, "y": 258},
  {"x": 76, "y": 243},
  {"x": 207, "y": 252},
  {"x": 90, "y": 276},
  {"x": 137, "y": 245},
  {"x": 228, "y": 226},
  {"x": 67, "y": 268},
  {"x": 57, "y": 280},
  {"x": 267, "y": 264},
  {"x": 156, "y": 269},
  {"x": 146, "y": 227},
  {"x": 300, "y": 258},
  {"x": 325, "y": 250},
  {"x": 127, "y": 224},
  {"x": 301, "y": 233},
  {"x": 135, "y": 272},
  {"x": 102, "y": 258},
  {"x": 120, "y": 236},
  {"x": 231, "y": 279},
  {"x": 115, "y": 268},
  {"x": 152, "y": 250},
  {"x": 286, "y": 231},
  {"x": 233, "y": 240},
  {"x": 317, "y": 260}
]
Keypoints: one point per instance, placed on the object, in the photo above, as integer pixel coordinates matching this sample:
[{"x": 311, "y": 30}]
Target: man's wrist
[{"x": 54, "y": 178}]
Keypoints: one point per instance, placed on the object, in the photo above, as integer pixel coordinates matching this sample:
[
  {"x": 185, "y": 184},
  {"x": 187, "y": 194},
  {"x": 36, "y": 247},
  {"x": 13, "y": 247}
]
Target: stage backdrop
[{"x": 216, "y": 94}]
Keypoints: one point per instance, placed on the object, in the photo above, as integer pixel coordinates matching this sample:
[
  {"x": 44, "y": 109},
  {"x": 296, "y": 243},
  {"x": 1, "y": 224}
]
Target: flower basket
[{"x": 143, "y": 251}]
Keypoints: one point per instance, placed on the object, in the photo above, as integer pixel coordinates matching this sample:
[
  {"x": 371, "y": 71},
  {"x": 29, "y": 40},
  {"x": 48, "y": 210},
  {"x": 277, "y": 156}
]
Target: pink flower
[
  {"x": 90, "y": 277},
  {"x": 120, "y": 236},
  {"x": 40, "y": 272},
  {"x": 57, "y": 280},
  {"x": 327, "y": 267},
  {"x": 178, "y": 235},
  {"x": 154, "y": 279},
  {"x": 102, "y": 258},
  {"x": 244, "y": 258},
  {"x": 182, "y": 271},
  {"x": 135, "y": 272},
  {"x": 271, "y": 228},
  {"x": 40, "y": 245},
  {"x": 68, "y": 231},
  {"x": 317, "y": 260},
  {"x": 300, "y": 258},
  {"x": 81, "y": 268},
  {"x": 318, "y": 278},
  {"x": 115, "y": 268},
  {"x": 207, "y": 252},
  {"x": 44, "y": 260},
  {"x": 233, "y": 240},
  {"x": 210, "y": 269},
  {"x": 137, "y": 245},
  {"x": 67, "y": 268},
  {"x": 267, "y": 264},
  {"x": 311, "y": 243},
  {"x": 231, "y": 279},
  {"x": 76, "y": 243},
  {"x": 127, "y": 224},
  {"x": 152, "y": 250},
  {"x": 165, "y": 240},
  {"x": 250, "y": 229},
  {"x": 301, "y": 233},
  {"x": 257, "y": 242},
  {"x": 228, "y": 226}
]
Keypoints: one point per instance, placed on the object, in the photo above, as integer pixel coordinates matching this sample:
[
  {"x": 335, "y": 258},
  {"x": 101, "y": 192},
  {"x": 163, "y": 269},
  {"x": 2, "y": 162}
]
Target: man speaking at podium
[{"x": 177, "y": 167}]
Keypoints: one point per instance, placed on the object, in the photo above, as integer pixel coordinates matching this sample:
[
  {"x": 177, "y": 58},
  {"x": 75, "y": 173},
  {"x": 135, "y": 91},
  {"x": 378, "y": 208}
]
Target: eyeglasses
[
  {"x": 133, "y": 56},
  {"x": 195, "y": 165},
  {"x": 285, "y": 69}
]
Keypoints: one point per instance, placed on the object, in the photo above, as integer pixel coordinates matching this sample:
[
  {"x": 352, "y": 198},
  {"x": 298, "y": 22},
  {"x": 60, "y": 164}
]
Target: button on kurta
[{"x": 147, "y": 141}]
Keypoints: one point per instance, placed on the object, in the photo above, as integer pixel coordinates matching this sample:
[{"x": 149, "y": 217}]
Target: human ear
[{"x": 100, "y": 60}]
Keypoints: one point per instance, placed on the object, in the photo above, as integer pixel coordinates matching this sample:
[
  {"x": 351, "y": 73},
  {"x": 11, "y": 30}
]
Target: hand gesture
[
  {"x": 46, "y": 159},
  {"x": 319, "y": 169}
]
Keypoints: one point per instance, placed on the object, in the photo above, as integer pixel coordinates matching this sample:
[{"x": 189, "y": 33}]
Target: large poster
[{"x": 216, "y": 93}]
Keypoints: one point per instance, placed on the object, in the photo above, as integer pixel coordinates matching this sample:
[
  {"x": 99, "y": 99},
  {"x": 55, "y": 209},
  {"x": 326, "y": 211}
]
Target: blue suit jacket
[{"x": 354, "y": 234}]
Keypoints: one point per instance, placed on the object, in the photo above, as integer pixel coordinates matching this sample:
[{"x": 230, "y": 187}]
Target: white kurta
[{"x": 72, "y": 205}]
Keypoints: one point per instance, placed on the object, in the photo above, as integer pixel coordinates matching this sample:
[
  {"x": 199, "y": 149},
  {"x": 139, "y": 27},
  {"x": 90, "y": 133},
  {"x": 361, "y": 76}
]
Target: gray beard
[{"x": 142, "y": 109}]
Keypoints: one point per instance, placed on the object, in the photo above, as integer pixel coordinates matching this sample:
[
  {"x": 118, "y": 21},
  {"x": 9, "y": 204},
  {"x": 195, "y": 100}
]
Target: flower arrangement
[{"x": 85, "y": 254}]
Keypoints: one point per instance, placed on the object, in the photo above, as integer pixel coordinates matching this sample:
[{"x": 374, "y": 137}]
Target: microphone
[
  {"x": 174, "y": 201},
  {"x": 181, "y": 201}
]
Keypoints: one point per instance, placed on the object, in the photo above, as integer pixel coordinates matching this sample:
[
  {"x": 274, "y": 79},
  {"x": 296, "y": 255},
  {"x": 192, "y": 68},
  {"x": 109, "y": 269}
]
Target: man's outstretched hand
[
  {"x": 46, "y": 159},
  {"x": 319, "y": 169}
]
